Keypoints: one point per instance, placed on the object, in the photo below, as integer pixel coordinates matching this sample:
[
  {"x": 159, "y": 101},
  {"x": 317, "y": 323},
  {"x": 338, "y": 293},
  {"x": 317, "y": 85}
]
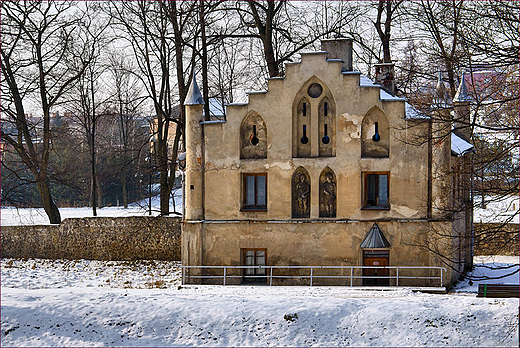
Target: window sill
[
  {"x": 375, "y": 207},
  {"x": 253, "y": 210}
]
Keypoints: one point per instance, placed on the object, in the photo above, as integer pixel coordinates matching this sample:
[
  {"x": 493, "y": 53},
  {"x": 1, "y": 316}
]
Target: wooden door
[{"x": 379, "y": 259}]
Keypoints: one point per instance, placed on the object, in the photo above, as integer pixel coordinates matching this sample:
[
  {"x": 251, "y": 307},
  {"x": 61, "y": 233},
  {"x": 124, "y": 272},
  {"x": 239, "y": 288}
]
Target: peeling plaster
[
  {"x": 405, "y": 211},
  {"x": 281, "y": 165},
  {"x": 350, "y": 125}
]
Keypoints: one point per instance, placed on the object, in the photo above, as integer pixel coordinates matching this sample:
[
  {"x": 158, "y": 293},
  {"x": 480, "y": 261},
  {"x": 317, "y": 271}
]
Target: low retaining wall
[
  {"x": 99, "y": 238},
  {"x": 496, "y": 239}
]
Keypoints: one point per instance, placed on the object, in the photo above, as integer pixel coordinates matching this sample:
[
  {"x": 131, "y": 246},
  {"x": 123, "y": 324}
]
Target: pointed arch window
[
  {"x": 327, "y": 127},
  {"x": 375, "y": 134},
  {"x": 302, "y": 121},
  {"x": 253, "y": 137}
]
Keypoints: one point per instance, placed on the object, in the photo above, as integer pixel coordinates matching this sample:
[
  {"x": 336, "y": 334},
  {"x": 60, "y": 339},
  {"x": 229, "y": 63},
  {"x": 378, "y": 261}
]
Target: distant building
[{"x": 319, "y": 170}]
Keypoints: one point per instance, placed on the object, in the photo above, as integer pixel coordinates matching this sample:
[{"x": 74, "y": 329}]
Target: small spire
[
  {"x": 462, "y": 94},
  {"x": 441, "y": 97},
  {"x": 194, "y": 97},
  {"x": 440, "y": 84}
]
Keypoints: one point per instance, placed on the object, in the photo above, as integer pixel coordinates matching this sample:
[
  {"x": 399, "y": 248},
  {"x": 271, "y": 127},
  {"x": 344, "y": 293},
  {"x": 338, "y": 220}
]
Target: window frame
[
  {"x": 256, "y": 272},
  {"x": 255, "y": 207},
  {"x": 366, "y": 206}
]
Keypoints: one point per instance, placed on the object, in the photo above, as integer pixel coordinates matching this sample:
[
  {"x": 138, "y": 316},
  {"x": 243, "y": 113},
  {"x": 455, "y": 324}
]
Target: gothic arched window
[
  {"x": 253, "y": 137},
  {"x": 375, "y": 134}
]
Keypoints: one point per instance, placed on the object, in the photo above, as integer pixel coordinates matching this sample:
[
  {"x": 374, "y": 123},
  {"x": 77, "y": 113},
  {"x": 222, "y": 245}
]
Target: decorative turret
[
  {"x": 462, "y": 102},
  {"x": 441, "y": 156},
  {"x": 194, "y": 157},
  {"x": 441, "y": 98}
]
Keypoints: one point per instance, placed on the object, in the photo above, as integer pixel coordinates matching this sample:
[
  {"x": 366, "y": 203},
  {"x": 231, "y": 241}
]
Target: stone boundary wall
[
  {"x": 497, "y": 239},
  {"x": 96, "y": 238}
]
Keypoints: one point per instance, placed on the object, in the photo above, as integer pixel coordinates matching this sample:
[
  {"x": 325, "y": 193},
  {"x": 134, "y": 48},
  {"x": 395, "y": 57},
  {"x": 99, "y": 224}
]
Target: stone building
[{"x": 319, "y": 171}]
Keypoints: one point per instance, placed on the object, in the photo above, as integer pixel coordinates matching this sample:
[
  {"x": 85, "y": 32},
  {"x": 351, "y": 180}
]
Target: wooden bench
[{"x": 498, "y": 290}]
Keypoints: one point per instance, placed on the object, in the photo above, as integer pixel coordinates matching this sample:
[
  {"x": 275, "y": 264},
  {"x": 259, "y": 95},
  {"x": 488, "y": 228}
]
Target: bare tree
[
  {"x": 127, "y": 102},
  {"x": 146, "y": 28},
  {"x": 389, "y": 7},
  {"x": 91, "y": 95},
  {"x": 40, "y": 63},
  {"x": 283, "y": 30},
  {"x": 486, "y": 98}
]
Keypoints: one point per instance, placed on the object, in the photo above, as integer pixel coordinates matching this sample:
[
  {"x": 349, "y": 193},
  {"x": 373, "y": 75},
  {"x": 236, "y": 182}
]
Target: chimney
[
  {"x": 339, "y": 49},
  {"x": 385, "y": 76}
]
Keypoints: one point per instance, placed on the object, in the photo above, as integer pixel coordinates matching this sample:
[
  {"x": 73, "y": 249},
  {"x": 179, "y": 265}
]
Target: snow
[
  {"x": 10, "y": 216},
  {"x": 385, "y": 96},
  {"x": 502, "y": 270},
  {"x": 413, "y": 113},
  {"x": 459, "y": 145},
  {"x": 96, "y": 303},
  {"x": 366, "y": 82},
  {"x": 498, "y": 209}
]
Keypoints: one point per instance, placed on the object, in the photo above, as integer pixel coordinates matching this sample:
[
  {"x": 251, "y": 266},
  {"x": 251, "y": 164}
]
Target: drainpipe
[{"x": 430, "y": 169}]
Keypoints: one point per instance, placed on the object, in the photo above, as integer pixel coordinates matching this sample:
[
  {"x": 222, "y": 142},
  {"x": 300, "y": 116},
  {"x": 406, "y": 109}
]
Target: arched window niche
[
  {"x": 302, "y": 128},
  {"x": 253, "y": 137},
  {"x": 314, "y": 136},
  {"x": 301, "y": 193},
  {"x": 375, "y": 134},
  {"x": 328, "y": 193},
  {"x": 327, "y": 127}
]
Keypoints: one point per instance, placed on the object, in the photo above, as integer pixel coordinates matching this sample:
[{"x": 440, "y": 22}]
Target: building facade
[{"x": 319, "y": 170}]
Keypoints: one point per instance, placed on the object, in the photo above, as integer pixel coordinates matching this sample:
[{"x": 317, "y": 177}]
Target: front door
[
  {"x": 379, "y": 259},
  {"x": 254, "y": 257}
]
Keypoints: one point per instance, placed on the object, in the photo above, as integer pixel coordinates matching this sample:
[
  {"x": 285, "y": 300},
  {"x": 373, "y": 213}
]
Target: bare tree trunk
[
  {"x": 92, "y": 149},
  {"x": 265, "y": 30},
  {"x": 205, "y": 88},
  {"x": 47, "y": 202},
  {"x": 123, "y": 185},
  {"x": 384, "y": 35}
]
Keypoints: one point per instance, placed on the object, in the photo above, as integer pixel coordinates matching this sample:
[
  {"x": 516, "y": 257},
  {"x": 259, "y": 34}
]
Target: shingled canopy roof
[{"x": 375, "y": 239}]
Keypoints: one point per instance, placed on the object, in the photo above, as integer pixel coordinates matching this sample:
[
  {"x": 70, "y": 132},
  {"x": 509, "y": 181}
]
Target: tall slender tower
[
  {"x": 194, "y": 209},
  {"x": 441, "y": 150}
]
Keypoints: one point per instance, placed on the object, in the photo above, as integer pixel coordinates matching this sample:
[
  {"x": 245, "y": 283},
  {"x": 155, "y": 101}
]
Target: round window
[{"x": 315, "y": 90}]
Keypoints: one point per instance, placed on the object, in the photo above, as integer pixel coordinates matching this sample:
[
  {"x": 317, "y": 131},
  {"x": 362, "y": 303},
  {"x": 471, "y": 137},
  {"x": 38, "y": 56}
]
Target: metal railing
[{"x": 312, "y": 276}]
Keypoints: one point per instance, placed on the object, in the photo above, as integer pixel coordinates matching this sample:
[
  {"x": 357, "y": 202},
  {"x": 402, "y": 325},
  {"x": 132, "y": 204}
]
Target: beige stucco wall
[
  {"x": 406, "y": 163},
  {"x": 309, "y": 243}
]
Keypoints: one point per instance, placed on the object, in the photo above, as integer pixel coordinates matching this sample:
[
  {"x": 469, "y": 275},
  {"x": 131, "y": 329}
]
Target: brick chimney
[
  {"x": 339, "y": 49},
  {"x": 385, "y": 76}
]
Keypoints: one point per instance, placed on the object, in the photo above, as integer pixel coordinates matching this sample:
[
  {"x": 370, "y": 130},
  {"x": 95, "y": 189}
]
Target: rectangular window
[
  {"x": 254, "y": 257},
  {"x": 376, "y": 190},
  {"x": 255, "y": 192}
]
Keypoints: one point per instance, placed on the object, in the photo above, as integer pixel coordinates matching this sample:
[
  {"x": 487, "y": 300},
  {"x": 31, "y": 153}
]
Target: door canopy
[{"x": 375, "y": 239}]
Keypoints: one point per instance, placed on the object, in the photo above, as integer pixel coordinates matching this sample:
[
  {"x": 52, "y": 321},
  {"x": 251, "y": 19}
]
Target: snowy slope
[{"x": 95, "y": 303}]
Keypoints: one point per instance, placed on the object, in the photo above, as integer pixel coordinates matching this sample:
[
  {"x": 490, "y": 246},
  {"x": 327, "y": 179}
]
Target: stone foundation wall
[{"x": 103, "y": 238}]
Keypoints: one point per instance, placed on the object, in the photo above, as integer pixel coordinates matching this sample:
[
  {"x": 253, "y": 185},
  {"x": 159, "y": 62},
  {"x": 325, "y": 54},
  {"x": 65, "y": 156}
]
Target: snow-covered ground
[
  {"x": 97, "y": 303},
  {"x": 490, "y": 270},
  {"x": 497, "y": 209},
  {"x": 10, "y": 216}
]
